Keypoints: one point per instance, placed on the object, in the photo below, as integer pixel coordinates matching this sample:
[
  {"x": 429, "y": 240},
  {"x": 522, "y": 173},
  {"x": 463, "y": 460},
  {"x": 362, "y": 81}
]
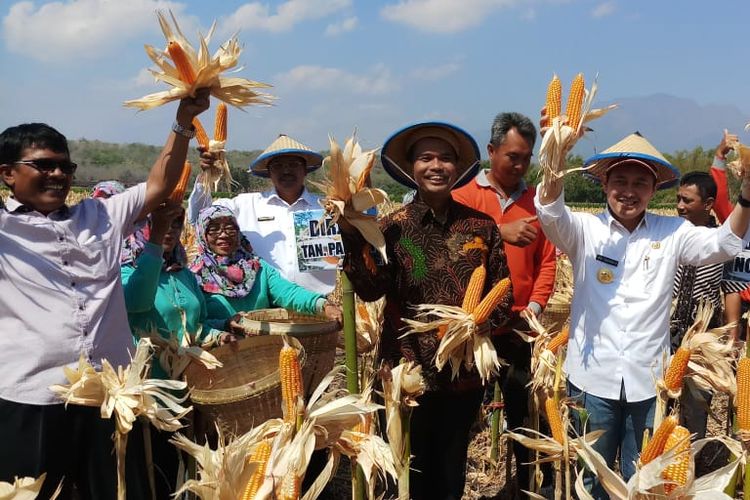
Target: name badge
[
  {"x": 607, "y": 260},
  {"x": 265, "y": 218}
]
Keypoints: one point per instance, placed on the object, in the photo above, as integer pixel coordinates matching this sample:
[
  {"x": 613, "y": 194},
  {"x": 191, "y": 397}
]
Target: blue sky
[{"x": 340, "y": 64}]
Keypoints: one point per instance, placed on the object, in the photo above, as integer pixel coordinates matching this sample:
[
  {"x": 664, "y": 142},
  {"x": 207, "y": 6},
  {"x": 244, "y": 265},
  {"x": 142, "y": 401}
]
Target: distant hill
[{"x": 670, "y": 123}]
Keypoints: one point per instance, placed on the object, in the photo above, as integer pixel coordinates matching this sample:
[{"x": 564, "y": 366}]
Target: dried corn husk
[
  {"x": 25, "y": 488},
  {"x": 209, "y": 71},
  {"x": 647, "y": 482},
  {"x": 125, "y": 394},
  {"x": 346, "y": 191},
  {"x": 560, "y": 138},
  {"x": 544, "y": 362},
  {"x": 369, "y": 324},
  {"x": 463, "y": 343}
]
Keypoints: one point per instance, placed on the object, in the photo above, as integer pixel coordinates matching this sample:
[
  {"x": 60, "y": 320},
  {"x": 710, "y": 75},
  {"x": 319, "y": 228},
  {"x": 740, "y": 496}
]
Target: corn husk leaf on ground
[
  {"x": 347, "y": 194},
  {"x": 210, "y": 71},
  {"x": 463, "y": 344},
  {"x": 25, "y": 488},
  {"x": 561, "y": 137},
  {"x": 648, "y": 481}
]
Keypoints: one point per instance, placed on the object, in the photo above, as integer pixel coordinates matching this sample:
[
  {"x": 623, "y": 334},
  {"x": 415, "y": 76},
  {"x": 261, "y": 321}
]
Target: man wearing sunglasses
[{"x": 62, "y": 298}]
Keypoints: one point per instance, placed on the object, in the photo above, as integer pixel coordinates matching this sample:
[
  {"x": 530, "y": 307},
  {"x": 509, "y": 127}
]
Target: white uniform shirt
[
  {"x": 60, "y": 292},
  {"x": 620, "y": 329},
  {"x": 267, "y": 222}
]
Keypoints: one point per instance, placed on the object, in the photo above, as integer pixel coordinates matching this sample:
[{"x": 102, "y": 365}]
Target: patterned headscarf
[
  {"x": 231, "y": 276},
  {"x": 105, "y": 189},
  {"x": 134, "y": 244}
]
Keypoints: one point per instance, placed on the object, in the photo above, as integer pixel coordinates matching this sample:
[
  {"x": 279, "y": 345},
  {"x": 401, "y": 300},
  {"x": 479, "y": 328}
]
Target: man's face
[
  {"x": 509, "y": 160},
  {"x": 691, "y": 206},
  {"x": 629, "y": 188},
  {"x": 40, "y": 179},
  {"x": 434, "y": 165},
  {"x": 287, "y": 173}
]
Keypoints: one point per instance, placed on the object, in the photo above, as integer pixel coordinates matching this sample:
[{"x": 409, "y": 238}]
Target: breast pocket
[{"x": 93, "y": 260}]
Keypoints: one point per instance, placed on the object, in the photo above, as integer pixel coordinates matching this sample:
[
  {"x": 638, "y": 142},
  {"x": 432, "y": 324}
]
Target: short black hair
[
  {"x": 14, "y": 140},
  {"x": 701, "y": 180},
  {"x": 505, "y": 122}
]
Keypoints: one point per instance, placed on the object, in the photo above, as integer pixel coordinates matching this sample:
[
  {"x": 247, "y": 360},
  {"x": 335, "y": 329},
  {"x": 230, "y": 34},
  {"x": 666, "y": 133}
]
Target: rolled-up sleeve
[{"x": 559, "y": 224}]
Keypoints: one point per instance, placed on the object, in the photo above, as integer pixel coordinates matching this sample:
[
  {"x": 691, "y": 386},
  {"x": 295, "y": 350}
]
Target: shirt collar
[
  {"x": 425, "y": 214},
  {"x": 483, "y": 181},
  {"x": 306, "y": 196},
  {"x": 610, "y": 219},
  {"x": 12, "y": 205}
]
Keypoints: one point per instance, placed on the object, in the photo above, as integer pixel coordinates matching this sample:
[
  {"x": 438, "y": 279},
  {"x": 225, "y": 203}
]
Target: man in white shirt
[
  {"x": 267, "y": 218},
  {"x": 61, "y": 299},
  {"x": 624, "y": 262}
]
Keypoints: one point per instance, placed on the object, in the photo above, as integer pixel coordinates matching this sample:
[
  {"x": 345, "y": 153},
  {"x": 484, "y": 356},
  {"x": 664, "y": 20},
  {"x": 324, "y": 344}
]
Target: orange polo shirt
[{"x": 532, "y": 268}]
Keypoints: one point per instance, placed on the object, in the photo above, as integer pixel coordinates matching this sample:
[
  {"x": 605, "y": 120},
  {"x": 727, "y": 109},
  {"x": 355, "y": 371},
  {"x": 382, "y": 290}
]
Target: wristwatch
[
  {"x": 743, "y": 202},
  {"x": 184, "y": 132}
]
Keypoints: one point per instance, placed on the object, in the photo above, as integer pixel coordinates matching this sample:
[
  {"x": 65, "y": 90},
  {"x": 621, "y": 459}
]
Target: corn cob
[
  {"x": 181, "y": 62},
  {"x": 560, "y": 340},
  {"x": 441, "y": 331},
  {"x": 474, "y": 291},
  {"x": 575, "y": 101},
  {"x": 677, "y": 369},
  {"x": 291, "y": 381},
  {"x": 200, "y": 133},
  {"x": 260, "y": 456},
  {"x": 554, "y": 419},
  {"x": 491, "y": 300},
  {"x": 554, "y": 96},
  {"x": 220, "y": 125},
  {"x": 290, "y": 486},
  {"x": 655, "y": 446},
  {"x": 743, "y": 394},
  {"x": 179, "y": 191},
  {"x": 677, "y": 471}
]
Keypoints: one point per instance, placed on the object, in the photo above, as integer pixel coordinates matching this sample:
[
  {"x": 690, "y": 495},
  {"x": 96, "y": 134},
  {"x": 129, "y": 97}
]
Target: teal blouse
[
  {"x": 269, "y": 290},
  {"x": 156, "y": 300}
]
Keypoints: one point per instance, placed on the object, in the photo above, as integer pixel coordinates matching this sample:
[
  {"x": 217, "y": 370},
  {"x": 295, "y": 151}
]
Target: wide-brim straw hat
[
  {"x": 285, "y": 145},
  {"x": 395, "y": 153},
  {"x": 634, "y": 147}
]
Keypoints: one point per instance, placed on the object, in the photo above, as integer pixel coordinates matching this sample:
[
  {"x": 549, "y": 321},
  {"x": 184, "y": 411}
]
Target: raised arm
[
  {"x": 722, "y": 205},
  {"x": 167, "y": 169}
]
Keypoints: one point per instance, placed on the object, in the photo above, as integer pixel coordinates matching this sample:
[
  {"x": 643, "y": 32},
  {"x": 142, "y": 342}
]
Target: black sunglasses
[{"x": 48, "y": 166}]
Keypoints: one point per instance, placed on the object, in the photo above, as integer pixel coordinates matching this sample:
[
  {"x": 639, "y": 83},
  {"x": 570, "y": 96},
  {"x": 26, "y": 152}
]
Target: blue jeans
[{"x": 623, "y": 423}]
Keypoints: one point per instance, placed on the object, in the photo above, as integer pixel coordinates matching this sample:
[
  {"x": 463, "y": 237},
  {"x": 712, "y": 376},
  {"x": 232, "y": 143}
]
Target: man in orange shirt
[{"x": 502, "y": 193}]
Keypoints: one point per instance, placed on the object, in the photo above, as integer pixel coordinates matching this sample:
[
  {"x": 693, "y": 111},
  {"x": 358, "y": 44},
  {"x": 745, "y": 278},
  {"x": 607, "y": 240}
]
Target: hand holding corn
[{"x": 190, "y": 107}]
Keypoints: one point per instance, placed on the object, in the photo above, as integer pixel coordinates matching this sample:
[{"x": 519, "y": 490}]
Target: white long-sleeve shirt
[
  {"x": 620, "y": 330},
  {"x": 267, "y": 222}
]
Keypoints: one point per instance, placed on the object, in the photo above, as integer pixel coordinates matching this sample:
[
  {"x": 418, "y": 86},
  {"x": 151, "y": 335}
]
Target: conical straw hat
[
  {"x": 633, "y": 147},
  {"x": 285, "y": 145},
  {"x": 395, "y": 153}
]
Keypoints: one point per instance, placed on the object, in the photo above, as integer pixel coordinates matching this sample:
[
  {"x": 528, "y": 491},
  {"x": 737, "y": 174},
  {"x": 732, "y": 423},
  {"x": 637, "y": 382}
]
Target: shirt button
[
  {"x": 85, "y": 332},
  {"x": 81, "y": 308},
  {"x": 65, "y": 263},
  {"x": 72, "y": 283},
  {"x": 60, "y": 238}
]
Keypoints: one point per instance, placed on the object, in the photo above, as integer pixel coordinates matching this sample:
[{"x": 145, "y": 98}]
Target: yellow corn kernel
[
  {"x": 475, "y": 288},
  {"x": 200, "y": 133},
  {"x": 220, "y": 125},
  {"x": 554, "y": 418},
  {"x": 743, "y": 394},
  {"x": 575, "y": 101},
  {"x": 260, "y": 456},
  {"x": 655, "y": 446},
  {"x": 290, "y": 486},
  {"x": 179, "y": 191},
  {"x": 181, "y": 62},
  {"x": 677, "y": 369},
  {"x": 559, "y": 340},
  {"x": 677, "y": 471},
  {"x": 489, "y": 302},
  {"x": 554, "y": 97},
  {"x": 290, "y": 373}
]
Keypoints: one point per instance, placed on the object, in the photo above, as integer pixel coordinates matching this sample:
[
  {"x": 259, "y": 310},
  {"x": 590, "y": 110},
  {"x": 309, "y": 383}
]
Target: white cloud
[
  {"x": 378, "y": 80},
  {"x": 258, "y": 16},
  {"x": 78, "y": 29},
  {"x": 604, "y": 9},
  {"x": 344, "y": 26},
  {"x": 431, "y": 73},
  {"x": 144, "y": 78},
  {"x": 443, "y": 16}
]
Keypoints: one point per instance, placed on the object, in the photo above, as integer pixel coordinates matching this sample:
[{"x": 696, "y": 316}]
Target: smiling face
[
  {"x": 40, "y": 187},
  {"x": 287, "y": 172},
  {"x": 434, "y": 168},
  {"x": 223, "y": 236},
  {"x": 172, "y": 236},
  {"x": 629, "y": 188},
  {"x": 692, "y": 206}
]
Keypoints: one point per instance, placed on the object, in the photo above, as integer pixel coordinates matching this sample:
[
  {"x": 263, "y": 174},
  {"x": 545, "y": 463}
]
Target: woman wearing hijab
[{"x": 234, "y": 279}]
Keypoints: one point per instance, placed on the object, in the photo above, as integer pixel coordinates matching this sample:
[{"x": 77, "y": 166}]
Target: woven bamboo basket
[
  {"x": 245, "y": 392},
  {"x": 555, "y": 316},
  {"x": 317, "y": 334}
]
